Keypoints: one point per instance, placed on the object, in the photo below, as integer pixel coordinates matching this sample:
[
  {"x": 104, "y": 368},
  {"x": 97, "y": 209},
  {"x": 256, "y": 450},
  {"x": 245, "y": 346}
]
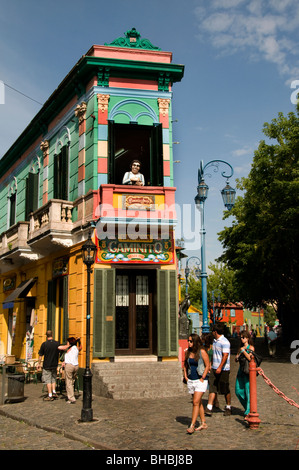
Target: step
[{"x": 137, "y": 378}]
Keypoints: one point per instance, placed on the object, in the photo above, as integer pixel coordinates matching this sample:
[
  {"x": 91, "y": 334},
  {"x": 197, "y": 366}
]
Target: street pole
[
  {"x": 87, "y": 412},
  {"x": 203, "y": 275},
  {"x": 228, "y": 195},
  {"x": 88, "y": 254}
]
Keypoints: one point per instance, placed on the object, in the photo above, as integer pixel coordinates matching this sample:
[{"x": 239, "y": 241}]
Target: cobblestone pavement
[{"x": 159, "y": 424}]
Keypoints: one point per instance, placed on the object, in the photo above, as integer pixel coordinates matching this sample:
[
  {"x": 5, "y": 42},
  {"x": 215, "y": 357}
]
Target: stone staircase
[{"x": 138, "y": 378}]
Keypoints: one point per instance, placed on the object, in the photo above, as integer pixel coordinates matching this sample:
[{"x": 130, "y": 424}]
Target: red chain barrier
[{"x": 282, "y": 395}]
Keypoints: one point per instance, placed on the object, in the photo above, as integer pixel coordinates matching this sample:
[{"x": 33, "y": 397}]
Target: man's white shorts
[{"x": 197, "y": 386}]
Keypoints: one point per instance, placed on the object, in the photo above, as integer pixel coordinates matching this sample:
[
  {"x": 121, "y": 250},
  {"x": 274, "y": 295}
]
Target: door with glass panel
[{"x": 133, "y": 328}]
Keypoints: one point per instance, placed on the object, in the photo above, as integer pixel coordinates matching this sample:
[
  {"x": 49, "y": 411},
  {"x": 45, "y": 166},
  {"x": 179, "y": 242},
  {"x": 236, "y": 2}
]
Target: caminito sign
[{"x": 130, "y": 251}]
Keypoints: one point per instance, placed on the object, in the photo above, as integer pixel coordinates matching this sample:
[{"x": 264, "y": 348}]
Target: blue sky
[{"x": 240, "y": 60}]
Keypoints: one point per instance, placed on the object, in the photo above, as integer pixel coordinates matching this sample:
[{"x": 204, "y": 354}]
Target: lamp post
[
  {"x": 187, "y": 272},
  {"x": 228, "y": 196},
  {"x": 89, "y": 250}
]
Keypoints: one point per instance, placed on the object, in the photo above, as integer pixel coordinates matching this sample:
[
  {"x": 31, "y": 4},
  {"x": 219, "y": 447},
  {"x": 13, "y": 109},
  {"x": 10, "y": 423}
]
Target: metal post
[
  {"x": 253, "y": 416},
  {"x": 87, "y": 412},
  {"x": 228, "y": 195},
  {"x": 203, "y": 275}
]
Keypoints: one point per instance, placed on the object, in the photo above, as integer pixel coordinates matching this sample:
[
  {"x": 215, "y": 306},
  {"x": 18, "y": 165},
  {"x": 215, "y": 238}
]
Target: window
[
  {"x": 31, "y": 194},
  {"x": 132, "y": 141},
  {"x": 57, "y": 317},
  {"x": 61, "y": 174},
  {"x": 12, "y": 209}
]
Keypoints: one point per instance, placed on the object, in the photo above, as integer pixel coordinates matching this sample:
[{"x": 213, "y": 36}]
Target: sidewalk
[{"x": 161, "y": 424}]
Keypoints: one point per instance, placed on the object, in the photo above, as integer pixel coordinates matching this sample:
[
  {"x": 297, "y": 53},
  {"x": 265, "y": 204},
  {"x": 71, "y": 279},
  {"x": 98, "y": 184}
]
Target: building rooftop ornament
[{"x": 133, "y": 39}]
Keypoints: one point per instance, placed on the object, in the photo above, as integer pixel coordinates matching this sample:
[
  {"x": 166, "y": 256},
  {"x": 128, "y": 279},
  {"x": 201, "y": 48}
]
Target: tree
[
  {"x": 221, "y": 281},
  {"x": 262, "y": 245}
]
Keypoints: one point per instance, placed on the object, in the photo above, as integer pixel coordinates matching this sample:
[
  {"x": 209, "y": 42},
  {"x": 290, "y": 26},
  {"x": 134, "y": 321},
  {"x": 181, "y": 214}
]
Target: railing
[
  {"x": 55, "y": 215},
  {"x": 15, "y": 237}
]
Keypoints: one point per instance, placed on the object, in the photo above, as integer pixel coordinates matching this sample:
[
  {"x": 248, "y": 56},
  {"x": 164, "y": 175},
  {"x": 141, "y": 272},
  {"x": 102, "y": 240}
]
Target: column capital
[
  {"x": 103, "y": 100},
  {"x": 164, "y": 106},
  {"x": 80, "y": 111},
  {"x": 44, "y": 146}
]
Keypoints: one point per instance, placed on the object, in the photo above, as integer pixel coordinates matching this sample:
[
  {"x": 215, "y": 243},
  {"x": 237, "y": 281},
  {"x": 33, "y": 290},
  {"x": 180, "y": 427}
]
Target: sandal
[
  {"x": 201, "y": 427},
  {"x": 191, "y": 429}
]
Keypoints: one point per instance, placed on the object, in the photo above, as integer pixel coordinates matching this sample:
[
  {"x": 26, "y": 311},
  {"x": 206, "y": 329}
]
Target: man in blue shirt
[{"x": 219, "y": 377}]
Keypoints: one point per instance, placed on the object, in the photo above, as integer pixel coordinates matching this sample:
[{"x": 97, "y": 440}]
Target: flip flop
[{"x": 201, "y": 427}]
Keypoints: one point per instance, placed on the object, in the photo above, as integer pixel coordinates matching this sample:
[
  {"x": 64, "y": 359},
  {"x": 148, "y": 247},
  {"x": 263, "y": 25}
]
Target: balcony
[
  {"x": 154, "y": 205},
  {"x": 50, "y": 228}
]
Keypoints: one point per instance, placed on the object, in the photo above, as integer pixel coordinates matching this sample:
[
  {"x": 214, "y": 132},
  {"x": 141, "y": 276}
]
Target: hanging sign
[
  {"x": 60, "y": 267},
  {"x": 141, "y": 251},
  {"x": 138, "y": 201}
]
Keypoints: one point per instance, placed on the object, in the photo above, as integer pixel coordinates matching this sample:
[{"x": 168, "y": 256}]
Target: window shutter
[
  {"x": 64, "y": 174},
  {"x": 51, "y": 306},
  {"x": 65, "y": 332},
  {"x": 61, "y": 174},
  {"x": 111, "y": 152},
  {"x": 56, "y": 177},
  {"x": 156, "y": 163},
  {"x": 167, "y": 313},
  {"x": 31, "y": 194},
  {"x": 104, "y": 313}
]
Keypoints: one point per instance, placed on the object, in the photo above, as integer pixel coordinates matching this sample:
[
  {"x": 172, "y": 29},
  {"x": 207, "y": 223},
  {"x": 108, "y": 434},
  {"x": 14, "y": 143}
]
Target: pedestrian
[
  {"x": 49, "y": 350},
  {"x": 196, "y": 369},
  {"x": 134, "y": 176},
  {"x": 242, "y": 379},
  {"x": 272, "y": 339},
  {"x": 71, "y": 365},
  {"x": 220, "y": 370},
  {"x": 207, "y": 339}
]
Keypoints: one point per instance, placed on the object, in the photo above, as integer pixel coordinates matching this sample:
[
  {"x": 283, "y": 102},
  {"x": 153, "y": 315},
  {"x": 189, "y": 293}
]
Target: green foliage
[
  {"x": 262, "y": 245},
  {"x": 221, "y": 281}
]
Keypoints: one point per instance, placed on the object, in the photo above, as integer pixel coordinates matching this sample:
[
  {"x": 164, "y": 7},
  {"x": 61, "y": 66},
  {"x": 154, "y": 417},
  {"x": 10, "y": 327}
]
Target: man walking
[
  {"x": 49, "y": 349},
  {"x": 219, "y": 376}
]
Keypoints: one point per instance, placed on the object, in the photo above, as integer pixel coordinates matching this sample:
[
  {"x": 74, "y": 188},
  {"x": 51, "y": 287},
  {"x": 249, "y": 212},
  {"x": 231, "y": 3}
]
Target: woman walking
[
  {"x": 196, "y": 369},
  {"x": 242, "y": 379},
  {"x": 71, "y": 364}
]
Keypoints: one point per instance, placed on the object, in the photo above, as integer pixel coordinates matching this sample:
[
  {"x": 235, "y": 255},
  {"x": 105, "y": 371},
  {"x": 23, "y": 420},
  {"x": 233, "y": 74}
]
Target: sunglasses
[
  {"x": 190, "y": 341},
  {"x": 134, "y": 164}
]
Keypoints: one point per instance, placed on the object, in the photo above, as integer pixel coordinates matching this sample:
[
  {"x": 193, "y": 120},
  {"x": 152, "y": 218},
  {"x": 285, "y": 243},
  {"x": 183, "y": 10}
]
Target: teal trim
[
  {"x": 118, "y": 109},
  {"x": 133, "y": 40},
  {"x": 133, "y": 93}
]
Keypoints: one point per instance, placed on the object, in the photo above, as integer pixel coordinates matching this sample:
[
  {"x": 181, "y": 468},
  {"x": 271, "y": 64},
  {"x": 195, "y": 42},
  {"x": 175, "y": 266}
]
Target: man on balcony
[{"x": 134, "y": 176}]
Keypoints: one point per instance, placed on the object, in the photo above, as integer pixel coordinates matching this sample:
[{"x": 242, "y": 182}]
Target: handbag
[
  {"x": 244, "y": 364},
  {"x": 258, "y": 359}
]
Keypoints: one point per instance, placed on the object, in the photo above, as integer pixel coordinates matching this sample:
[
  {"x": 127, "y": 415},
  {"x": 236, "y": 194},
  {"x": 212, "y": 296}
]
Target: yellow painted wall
[{"x": 42, "y": 269}]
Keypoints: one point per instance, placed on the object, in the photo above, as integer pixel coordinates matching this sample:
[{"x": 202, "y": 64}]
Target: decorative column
[
  {"x": 80, "y": 113},
  {"x": 103, "y": 101},
  {"x": 164, "y": 119},
  {"x": 44, "y": 146}
]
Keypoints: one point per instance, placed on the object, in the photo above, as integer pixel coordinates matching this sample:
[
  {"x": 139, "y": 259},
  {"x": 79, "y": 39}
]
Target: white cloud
[
  {"x": 242, "y": 151},
  {"x": 262, "y": 29}
]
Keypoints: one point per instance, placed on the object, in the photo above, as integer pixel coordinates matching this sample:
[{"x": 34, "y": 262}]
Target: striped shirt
[{"x": 221, "y": 346}]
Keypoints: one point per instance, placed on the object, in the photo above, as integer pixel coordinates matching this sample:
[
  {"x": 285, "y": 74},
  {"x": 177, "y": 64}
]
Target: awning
[{"x": 19, "y": 293}]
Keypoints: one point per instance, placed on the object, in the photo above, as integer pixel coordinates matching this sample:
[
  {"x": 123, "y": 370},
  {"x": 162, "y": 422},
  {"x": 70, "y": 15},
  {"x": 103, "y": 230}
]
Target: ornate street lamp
[
  {"x": 228, "y": 196},
  {"x": 89, "y": 251},
  {"x": 187, "y": 272}
]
